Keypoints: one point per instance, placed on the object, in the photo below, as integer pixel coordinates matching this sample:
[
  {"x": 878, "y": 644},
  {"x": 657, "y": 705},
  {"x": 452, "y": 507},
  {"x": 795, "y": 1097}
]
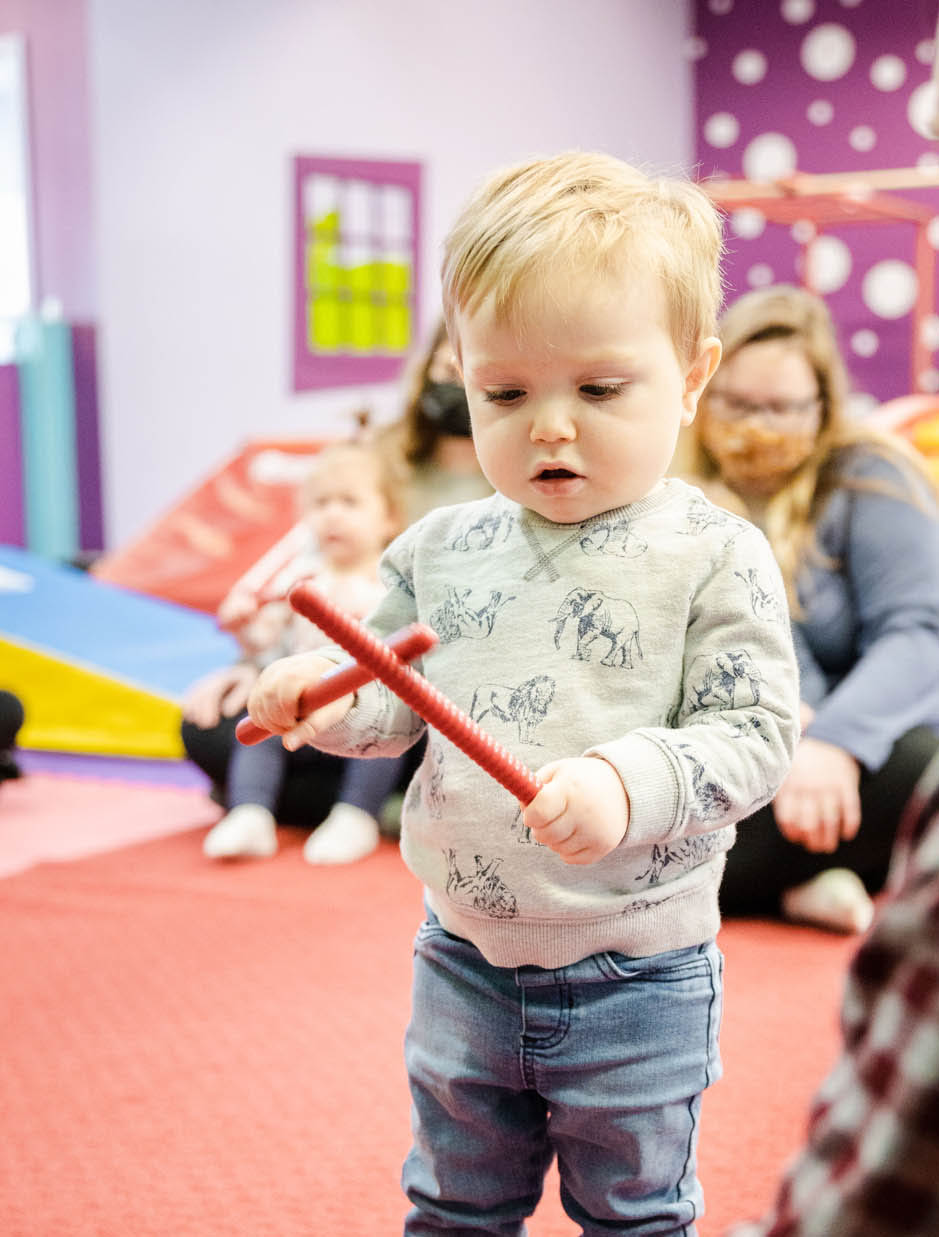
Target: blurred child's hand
[
  {"x": 223, "y": 693},
  {"x": 581, "y": 811},
  {"x": 274, "y": 703},
  {"x": 237, "y": 608}
]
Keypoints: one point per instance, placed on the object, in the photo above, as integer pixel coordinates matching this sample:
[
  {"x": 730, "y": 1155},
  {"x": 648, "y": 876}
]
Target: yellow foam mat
[{"x": 73, "y": 708}]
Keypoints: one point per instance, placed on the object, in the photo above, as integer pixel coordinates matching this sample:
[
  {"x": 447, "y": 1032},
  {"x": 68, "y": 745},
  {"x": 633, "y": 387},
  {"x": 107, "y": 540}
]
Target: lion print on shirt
[{"x": 523, "y": 708}]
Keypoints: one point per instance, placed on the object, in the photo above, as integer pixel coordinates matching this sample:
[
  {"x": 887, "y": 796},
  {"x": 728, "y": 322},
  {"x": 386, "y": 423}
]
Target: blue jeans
[{"x": 601, "y": 1063}]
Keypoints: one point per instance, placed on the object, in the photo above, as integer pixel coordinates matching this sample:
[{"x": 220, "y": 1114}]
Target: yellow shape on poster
[
  {"x": 397, "y": 327},
  {"x": 324, "y": 319}
]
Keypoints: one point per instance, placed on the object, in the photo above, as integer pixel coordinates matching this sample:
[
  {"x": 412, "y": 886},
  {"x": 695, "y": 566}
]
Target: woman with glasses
[{"x": 852, "y": 517}]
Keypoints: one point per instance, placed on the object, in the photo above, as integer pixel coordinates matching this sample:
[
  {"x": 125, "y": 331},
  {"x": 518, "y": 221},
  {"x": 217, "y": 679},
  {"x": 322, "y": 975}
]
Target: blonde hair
[
  {"x": 581, "y": 210},
  {"x": 389, "y": 473},
  {"x": 788, "y": 313}
]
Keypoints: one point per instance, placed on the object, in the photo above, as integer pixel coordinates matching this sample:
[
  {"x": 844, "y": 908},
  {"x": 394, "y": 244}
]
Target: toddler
[
  {"x": 629, "y": 641},
  {"x": 351, "y": 508}
]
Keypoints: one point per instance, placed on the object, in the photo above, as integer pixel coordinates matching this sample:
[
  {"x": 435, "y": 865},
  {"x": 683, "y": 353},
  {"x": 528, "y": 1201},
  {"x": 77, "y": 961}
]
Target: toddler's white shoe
[
  {"x": 347, "y": 834},
  {"x": 835, "y": 899},
  {"x": 247, "y": 832}
]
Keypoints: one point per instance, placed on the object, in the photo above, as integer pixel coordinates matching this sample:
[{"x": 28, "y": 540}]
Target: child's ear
[{"x": 699, "y": 374}]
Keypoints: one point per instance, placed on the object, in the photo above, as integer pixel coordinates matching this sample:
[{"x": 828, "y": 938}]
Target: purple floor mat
[{"x": 113, "y": 768}]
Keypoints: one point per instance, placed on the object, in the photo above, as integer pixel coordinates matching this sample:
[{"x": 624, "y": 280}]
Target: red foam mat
[{"x": 216, "y": 1050}]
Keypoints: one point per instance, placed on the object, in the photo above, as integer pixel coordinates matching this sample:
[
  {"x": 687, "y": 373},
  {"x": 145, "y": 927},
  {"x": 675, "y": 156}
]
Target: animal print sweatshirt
[{"x": 655, "y": 637}]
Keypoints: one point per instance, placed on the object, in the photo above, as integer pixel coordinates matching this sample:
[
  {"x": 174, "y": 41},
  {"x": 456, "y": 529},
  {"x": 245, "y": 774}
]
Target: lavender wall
[
  {"x": 825, "y": 86},
  {"x": 57, "y": 66},
  {"x": 200, "y": 106}
]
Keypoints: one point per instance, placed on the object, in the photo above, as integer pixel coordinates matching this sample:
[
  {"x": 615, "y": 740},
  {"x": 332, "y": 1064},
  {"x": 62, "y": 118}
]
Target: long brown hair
[{"x": 791, "y": 515}]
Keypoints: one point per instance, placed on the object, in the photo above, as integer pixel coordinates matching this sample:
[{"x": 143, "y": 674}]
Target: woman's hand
[
  {"x": 223, "y": 693},
  {"x": 581, "y": 811},
  {"x": 819, "y": 805}
]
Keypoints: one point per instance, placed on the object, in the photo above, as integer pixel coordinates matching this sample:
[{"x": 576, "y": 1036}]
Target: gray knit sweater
[{"x": 654, "y": 636}]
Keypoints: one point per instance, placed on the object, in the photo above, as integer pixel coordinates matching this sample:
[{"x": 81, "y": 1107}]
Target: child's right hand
[{"x": 274, "y": 703}]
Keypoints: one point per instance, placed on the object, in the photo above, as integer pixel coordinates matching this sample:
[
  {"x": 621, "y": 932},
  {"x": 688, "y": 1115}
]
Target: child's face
[
  {"x": 347, "y": 512},
  {"x": 579, "y": 411}
]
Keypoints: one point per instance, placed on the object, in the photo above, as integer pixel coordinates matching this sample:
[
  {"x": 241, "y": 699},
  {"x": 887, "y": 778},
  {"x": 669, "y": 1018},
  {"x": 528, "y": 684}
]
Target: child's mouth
[{"x": 555, "y": 474}]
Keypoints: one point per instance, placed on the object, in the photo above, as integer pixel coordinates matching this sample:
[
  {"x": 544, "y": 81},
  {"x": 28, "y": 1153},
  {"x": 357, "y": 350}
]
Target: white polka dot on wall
[
  {"x": 760, "y": 276},
  {"x": 925, "y": 49},
  {"x": 889, "y": 288},
  {"x": 749, "y": 67},
  {"x": 849, "y": 4},
  {"x": 803, "y": 230},
  {"x": 929, "y": 332},
  {"x": 770, "y": 156},
  {"x": 932, "y": 231},
  {"x": 797, "y": 11},
  {"x": 921, "y": 109},
  {"x": 888, "y": 73},
  {"x": 828, "y": 264},
  {"x": 748, "y": 222},
  {"x": 928, "y": 380},
  {"x": 928, "y": 161},
  {"x": 861, "y": 404},
  {"x": 721, "y": 130},
  {"x": 862, "y": 138},
  {"x": 695, "y": 48},
  {"x": 720, "y": 7},
  {"x": 820, "y": 112},
  {"x": 827, "y": 52},
  {"x": 865, "y": 342}
]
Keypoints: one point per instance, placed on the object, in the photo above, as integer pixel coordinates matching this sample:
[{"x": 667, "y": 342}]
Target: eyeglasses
[{"x": 729, "y": 407}]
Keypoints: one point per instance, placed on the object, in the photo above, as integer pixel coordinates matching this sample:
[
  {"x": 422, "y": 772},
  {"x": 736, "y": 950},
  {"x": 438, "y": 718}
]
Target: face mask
[
  {"x": 753, "y": 456},
  {"x": 444, "y": 403}
]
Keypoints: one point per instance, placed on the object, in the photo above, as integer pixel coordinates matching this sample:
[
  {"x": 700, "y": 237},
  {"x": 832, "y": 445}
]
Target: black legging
[
  {"x": 762, "y": 864},
  {"x": 312, "y": 779},
  {"x": 11, "y": 718}
]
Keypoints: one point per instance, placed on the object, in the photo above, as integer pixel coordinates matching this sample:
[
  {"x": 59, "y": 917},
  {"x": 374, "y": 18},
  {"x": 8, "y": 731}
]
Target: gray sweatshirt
[{"x": 655, "y": 637}]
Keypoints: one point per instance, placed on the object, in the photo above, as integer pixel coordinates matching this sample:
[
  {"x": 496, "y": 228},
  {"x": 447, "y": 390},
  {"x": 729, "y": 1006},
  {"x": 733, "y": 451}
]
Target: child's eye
[
  {"x": 602, "y": 390},
  {"x": 508, "y": 395}
]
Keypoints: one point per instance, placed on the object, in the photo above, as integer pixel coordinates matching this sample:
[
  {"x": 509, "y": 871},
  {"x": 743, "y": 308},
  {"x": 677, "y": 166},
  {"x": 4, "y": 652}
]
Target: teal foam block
[
  {"x": 153, "y": 644},
  {"x": 50, "y": 469}
]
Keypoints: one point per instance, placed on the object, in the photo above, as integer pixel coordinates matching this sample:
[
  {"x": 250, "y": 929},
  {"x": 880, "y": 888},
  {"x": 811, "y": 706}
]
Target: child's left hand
[{"x": 581, "y": 811}]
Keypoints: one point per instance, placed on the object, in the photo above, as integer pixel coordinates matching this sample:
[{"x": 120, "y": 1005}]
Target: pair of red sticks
[{"x": 387, "y": 662}]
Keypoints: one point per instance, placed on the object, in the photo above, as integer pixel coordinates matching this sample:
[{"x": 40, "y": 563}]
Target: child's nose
[{"x": 552, "y": 421}]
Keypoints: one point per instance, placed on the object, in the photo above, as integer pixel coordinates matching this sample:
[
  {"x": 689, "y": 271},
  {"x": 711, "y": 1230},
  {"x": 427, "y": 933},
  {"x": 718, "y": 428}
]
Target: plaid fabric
[{"x": 870, "y": 1166}]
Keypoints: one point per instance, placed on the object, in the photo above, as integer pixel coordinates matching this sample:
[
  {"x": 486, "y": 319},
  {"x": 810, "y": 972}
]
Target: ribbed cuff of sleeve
[{"x": 653, "y": 785}]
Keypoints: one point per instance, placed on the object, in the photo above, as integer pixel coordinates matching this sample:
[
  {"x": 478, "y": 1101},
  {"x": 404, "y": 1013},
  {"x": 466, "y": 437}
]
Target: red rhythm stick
[
  {"x": 406, "y": 644},
  {"x": 381, "y": 663}
]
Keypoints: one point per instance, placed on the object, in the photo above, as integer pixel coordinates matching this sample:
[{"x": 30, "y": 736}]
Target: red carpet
[{"x": 196, "y": 1050}]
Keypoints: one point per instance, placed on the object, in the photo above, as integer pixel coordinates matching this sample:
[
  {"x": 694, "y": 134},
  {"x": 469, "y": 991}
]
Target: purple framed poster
[{"x": 356, "y": 269}]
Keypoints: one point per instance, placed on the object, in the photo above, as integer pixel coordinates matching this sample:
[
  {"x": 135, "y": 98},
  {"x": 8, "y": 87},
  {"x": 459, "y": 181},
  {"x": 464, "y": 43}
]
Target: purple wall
[{"x": 824, "y": 86}]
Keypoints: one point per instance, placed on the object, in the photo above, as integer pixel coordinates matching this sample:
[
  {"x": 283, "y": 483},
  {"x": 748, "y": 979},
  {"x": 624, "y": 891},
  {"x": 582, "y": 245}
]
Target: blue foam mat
[{"x": 64, "y": 612}]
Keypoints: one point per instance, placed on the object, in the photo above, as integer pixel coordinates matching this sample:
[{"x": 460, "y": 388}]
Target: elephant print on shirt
[
  {"x": 456, "y": 617},
  {"x": 524, "y": 707},
  {"x": 594, "y": 616}
]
